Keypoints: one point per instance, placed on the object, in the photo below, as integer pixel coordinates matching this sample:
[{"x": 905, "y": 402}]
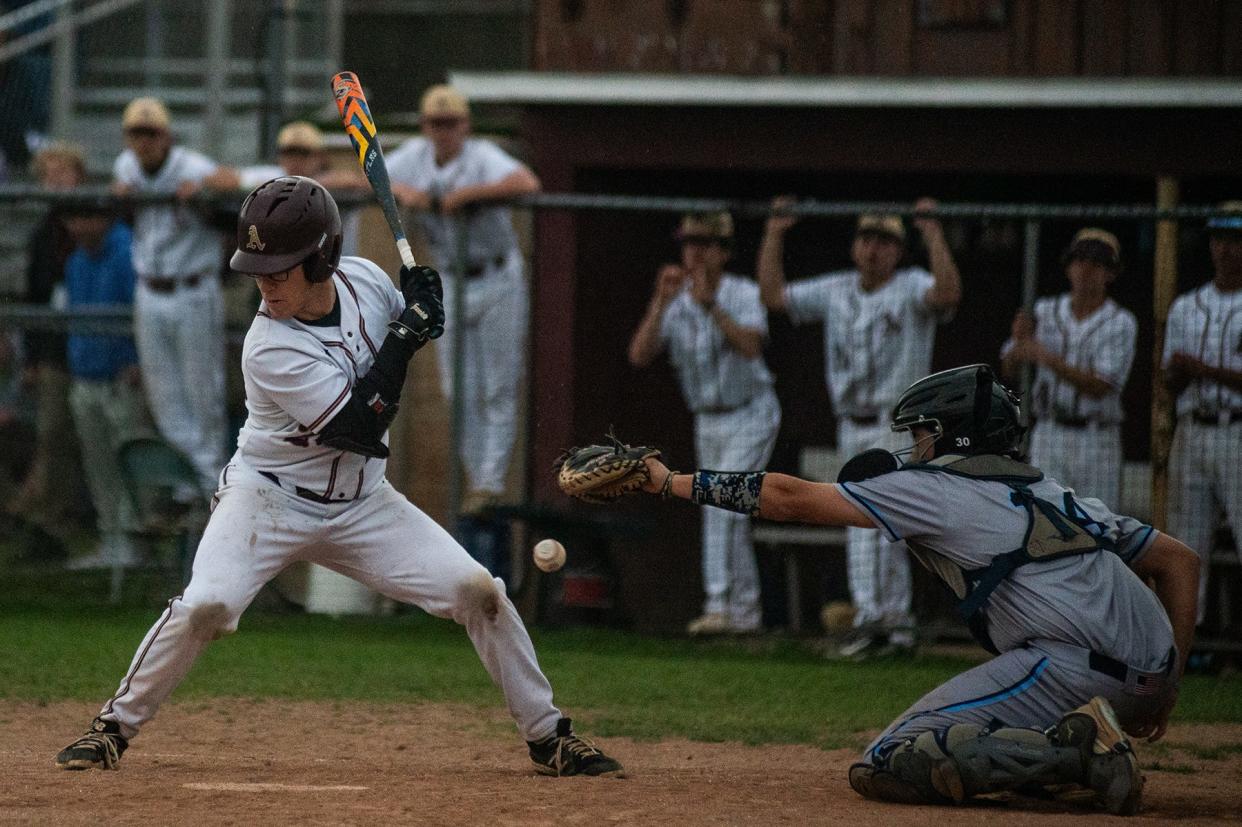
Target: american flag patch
[{"x": 1148, "y": 684}]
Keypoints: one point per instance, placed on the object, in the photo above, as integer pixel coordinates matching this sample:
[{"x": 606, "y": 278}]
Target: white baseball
[{"x": 549, "y": 555}]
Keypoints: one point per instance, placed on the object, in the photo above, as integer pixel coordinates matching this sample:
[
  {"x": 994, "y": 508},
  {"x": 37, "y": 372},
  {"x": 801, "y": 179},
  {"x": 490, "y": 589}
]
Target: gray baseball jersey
[
  {"x": 712, "y": 375},
  {"x": 1090, "y": 600},
  {"x": 876, "y": 344},
  {"x": 488, "y": 227},
  {"x": 170, "y": 239}
]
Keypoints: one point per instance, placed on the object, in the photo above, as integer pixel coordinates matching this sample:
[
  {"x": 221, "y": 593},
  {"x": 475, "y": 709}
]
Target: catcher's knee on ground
[{"x": 965, "y": 760}]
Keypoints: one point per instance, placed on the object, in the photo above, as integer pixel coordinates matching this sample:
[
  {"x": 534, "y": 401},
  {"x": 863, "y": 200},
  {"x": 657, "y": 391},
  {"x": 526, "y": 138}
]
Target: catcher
[{"x": 1050, "y": 582}]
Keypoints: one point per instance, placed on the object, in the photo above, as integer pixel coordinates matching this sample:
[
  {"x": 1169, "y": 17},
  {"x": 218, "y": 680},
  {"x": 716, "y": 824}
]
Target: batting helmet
[
  {"x": 286, "y": 222},
  {"x": 970, "y": 411}
]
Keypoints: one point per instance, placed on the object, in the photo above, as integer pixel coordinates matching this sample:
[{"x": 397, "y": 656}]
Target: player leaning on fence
[
  {"x": 879, "y": 325},
  {"x": 1050, "y": 580}
]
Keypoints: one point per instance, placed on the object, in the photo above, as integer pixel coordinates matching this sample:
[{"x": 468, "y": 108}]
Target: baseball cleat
[
  {"x": 101, "y": 746},
  {"x": 566, "y": 754},
  {"x": 1111, "y": 767}
]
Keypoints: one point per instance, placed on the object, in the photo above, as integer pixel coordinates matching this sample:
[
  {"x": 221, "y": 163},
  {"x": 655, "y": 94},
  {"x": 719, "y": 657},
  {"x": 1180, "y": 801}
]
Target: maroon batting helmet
[{"x": 285, "y": 222}]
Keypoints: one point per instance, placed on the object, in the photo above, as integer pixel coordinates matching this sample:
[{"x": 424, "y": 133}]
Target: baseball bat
[{"x": 360, "y": 126}]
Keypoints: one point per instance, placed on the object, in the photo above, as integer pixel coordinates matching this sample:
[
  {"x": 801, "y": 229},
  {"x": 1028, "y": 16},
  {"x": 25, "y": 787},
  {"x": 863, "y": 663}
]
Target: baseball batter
[
  {"x": 1203, "y": 369},
  {"x": 1082, "y": 346},
  {"x": 324, "y": 363},
  {"x": 713, "y": 326},
  {"x": 1048, "y": 580},
  {"x": 178, "y": 307},
  {"x": 879, "y": 326},
  {"x": 455, "y": 182}
]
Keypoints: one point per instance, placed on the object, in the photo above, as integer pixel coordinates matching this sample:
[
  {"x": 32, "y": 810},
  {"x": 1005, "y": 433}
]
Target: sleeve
[
  {"x": 903, "y": 505},
  {"x": 401, "y": 163},
  {"x": 311, "y": 390},
  {"x": 495, "y": 162},
  {"x": 1174, "y": 332},
  {"x": 123, "y": 171},
  {"x": 807, "y": 300},
  {"x": 921, "y": 284},
  {"x": 750, "y": 312},
  {"x": 1131, "y": 538},
  {"x": 1116, "y": 354},
  {"x": 197, "y": 167}
]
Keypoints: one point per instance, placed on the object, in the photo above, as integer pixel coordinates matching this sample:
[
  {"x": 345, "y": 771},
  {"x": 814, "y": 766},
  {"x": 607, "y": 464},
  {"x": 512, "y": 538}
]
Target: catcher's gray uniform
[{"x": 1066, "y": 629}]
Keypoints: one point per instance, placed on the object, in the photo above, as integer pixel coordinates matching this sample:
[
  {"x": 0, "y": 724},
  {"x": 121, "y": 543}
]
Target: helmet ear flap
[{"x": 318, "y": 266}]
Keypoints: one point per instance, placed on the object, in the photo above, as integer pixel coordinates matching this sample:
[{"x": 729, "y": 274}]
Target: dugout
[{"x": 1052, "y": 142}]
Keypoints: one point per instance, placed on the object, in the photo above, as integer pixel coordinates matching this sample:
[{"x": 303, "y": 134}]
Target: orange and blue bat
[{"x": 360, "y": 126}]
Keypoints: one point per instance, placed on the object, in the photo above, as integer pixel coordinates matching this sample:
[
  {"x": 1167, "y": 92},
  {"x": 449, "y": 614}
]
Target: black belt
[
  {"x": 1228, "y": 418},
  {"x": 168, "y": 285},
  {"x": 304, "y": 493},
  {"x": 479, "y": 269},
  {"x": 1075, "y": 421},
  {"x": 1116, "y": 669},
  {"x": 873, "y": 419}
]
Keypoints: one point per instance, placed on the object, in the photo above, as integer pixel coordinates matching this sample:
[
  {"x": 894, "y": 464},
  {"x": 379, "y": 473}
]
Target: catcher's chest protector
[{"x": 1051, "y": 533}]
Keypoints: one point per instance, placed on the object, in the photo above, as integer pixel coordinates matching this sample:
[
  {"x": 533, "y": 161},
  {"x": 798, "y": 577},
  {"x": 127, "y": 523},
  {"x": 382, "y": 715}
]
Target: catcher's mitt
[{"x": 601, "y": 473}]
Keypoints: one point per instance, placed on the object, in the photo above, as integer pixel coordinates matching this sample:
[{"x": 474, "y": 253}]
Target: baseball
[{"x": 549, "y": 555}]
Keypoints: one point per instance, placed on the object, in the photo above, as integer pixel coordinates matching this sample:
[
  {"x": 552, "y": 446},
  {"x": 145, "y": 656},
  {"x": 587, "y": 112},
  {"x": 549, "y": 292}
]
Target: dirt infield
[{"x": 271, "y": 763}]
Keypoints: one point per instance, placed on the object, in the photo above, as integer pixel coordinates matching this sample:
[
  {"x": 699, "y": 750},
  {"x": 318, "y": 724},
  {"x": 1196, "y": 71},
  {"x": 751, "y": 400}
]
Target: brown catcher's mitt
[{"x": 601, "y": 473}]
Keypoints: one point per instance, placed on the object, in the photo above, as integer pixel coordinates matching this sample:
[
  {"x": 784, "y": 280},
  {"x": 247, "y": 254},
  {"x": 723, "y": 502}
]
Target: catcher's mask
[
  {"x": 967, "y": 410},
  {"x": 285, "y": 222}
]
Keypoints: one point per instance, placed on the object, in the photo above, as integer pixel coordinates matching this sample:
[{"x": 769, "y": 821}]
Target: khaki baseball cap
[
  {"x": 889, "y": 225},
  {"x": 707, "y": 225},
  {"x": 443, "y": 101},
  {"x": 1094, "y": 244},
  {"x": 146, "y": 113},
  {"x": 1231, "y": 223},
  {"x": 300, "y": 135}
]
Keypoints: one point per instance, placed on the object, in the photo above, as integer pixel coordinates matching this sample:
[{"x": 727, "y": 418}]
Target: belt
[
  {"x": 1143, "y": 682},
  {"x": 873, "y": 419},
  {"x": 1222, "y": 418},
  {"x": 168, "y": 285},
  {"x": 304, "y": 493},
  {"x": 479, "y": 269}
]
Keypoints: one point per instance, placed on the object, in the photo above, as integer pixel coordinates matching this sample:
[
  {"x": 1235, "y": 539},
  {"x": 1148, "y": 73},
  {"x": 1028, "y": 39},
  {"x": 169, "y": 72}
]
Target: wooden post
[{"x": 1164, "y": 288}]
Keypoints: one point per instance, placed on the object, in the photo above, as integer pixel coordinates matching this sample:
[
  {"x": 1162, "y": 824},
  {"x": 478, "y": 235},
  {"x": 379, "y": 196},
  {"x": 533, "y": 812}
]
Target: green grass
[{"x": 59, "y": 644}]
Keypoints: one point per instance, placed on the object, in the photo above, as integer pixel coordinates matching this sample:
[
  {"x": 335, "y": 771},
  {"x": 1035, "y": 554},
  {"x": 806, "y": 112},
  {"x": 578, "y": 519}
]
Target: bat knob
[{"x": 435, "y": 331}]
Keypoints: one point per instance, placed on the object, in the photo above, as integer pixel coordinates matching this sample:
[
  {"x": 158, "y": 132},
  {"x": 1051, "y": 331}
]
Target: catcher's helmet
[
  {"x": 970, "y": 411},
  {"x": 285, "y": 222}
]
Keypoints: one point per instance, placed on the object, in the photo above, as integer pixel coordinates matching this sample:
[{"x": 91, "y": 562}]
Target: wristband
[
  {"x": 731, "y": 491},
  {"x": 666, "y": 490}
]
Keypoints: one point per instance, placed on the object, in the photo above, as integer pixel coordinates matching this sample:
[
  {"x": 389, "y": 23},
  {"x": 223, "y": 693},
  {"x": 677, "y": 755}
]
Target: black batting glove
[
  {"x": 418, "y": 280},
  {"x": 422, "y": 320}
]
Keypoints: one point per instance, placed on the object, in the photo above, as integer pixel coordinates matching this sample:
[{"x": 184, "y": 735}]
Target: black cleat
[
  {"x": 101, "y": 746},
  {"x": 566, "y": 754}
]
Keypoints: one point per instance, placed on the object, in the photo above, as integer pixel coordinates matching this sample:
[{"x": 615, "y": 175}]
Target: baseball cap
[
  {"x": 300, "y": 135},
  {"x": 1231, "y": 223},
  {"x": 443, "y": 101},
  {"x": 706, "y": 226},
  {"x": 1094, "y": 244},
  {"x": 889, "y": 225},
  {"x": 146, "y": 113}
]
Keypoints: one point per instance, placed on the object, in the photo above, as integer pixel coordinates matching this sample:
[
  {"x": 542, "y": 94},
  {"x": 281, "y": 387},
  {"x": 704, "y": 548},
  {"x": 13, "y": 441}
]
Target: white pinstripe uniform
[
  {"x": 283, "y": 498},
  {"x": 1205, "y": 467},
  {"x": 876, "y": 345},
  {"x": 494, "y": 321},
  {"x": 1077, "y": 438},
  {"x": 179, "y": 328},
  {"x": 736, "y": 417}
]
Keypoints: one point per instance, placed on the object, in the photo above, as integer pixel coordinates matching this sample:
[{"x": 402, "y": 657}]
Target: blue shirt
[{"x": 105, "y": 277}]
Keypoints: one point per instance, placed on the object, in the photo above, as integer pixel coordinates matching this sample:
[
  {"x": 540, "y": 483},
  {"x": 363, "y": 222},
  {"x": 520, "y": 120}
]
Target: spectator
[
  {"x": 713, "y": 325},
  {"x": 48, "y": 494},
  {"x": 106, "y": 394},
  {"x": 178, "y": 309},
  {"x": 1081, "y": 344},
  {"x": 299, "y": 151},
  {"x": 457, "y": 183},
  {"x": 879, "y": 324},
  {"x": 1203, "y": 369},
  {"x": 17, "y": 432}
]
